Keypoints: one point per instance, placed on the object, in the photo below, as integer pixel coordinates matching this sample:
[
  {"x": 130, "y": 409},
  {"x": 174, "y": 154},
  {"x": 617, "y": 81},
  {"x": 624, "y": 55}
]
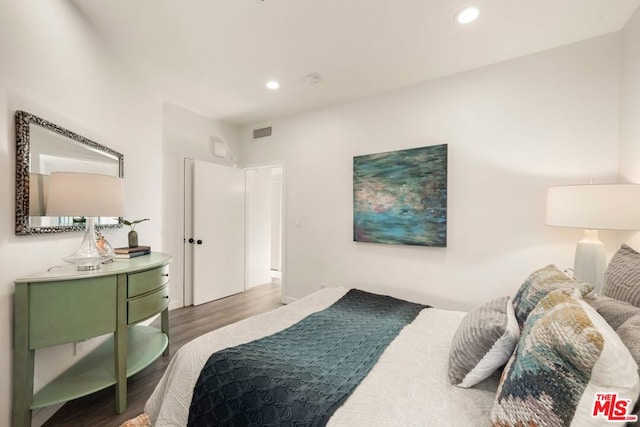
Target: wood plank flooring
[{"x": 187, "y": 323}]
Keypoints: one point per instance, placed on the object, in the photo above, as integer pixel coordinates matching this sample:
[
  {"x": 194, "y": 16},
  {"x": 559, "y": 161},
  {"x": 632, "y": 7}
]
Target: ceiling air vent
[{"x": 262, "y": 132}]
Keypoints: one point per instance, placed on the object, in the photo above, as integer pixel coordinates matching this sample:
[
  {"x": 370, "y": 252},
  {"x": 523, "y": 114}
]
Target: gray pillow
[
  {"x": 622, "y": 277},
  {"x": 629, "y": 333},
  {"x": 614, "y": 312},
  {"x": 483, "y": 342}
]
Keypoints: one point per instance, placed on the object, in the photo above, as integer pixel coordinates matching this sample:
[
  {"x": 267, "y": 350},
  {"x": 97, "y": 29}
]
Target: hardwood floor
[{"x": 98, "y": 409}]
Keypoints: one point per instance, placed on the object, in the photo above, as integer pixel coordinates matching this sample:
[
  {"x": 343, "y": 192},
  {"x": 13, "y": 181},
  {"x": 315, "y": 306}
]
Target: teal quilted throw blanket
[{"x": 301, "y": 375}]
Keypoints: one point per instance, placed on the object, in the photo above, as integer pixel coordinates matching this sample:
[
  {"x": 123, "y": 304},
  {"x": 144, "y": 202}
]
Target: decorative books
[
  {"x": 128, "y": 250},
  {"x": 131, "y": 255}
]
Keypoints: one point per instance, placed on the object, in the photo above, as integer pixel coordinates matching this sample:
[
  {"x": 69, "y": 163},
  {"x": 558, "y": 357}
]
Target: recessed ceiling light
[
  {"x": 466, "y": 15},
  {"x": 273, "y": 85}
]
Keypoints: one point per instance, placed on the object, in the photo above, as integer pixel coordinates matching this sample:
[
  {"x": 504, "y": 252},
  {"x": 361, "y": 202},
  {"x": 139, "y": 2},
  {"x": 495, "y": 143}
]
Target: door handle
[
  {"x": 191, "y": 240},
  {"x": 199, "y": 242}
]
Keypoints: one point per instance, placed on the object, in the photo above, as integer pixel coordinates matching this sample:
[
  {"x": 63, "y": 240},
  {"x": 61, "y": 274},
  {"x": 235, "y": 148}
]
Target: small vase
[
  {"x": 104, "y": 246},
  {"x": 133, "y": 239}
]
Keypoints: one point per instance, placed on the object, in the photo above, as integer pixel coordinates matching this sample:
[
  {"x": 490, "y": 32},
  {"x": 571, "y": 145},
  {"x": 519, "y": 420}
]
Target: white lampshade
[
  {"x": 85, "y": 194},
  {"x": 90, "y": 196},
  {"x": 595, "y": 206},
  {"x": 38, "y": 184}
]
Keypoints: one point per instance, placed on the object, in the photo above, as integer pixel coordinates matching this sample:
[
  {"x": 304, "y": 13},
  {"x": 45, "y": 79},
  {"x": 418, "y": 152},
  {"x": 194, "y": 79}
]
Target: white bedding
[{"x": 409, "y": 385}]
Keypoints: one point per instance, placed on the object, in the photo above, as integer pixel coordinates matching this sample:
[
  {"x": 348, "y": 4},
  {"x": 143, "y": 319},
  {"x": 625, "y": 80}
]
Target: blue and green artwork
[{"x": 400, "y": 197}]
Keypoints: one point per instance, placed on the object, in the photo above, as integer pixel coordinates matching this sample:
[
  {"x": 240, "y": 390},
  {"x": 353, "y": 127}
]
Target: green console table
[{"x": 65, "y": 305}]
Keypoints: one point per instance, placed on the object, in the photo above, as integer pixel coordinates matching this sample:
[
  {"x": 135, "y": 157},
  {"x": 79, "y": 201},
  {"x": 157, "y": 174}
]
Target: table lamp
[
  {"x": 593, "y": 207},
  {"x": 88, "y": 195}
]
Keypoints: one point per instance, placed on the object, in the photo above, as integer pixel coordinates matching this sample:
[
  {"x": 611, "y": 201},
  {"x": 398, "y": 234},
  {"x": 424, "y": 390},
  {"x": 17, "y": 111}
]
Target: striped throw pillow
[
  {"x": 622, "y": 277},
  {"x": 483, "y": 342}
]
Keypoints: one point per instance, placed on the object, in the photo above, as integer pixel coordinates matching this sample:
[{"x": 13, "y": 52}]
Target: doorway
[
  {"x": 211, "y": 264},
  {"x": 264, "y": 225}
]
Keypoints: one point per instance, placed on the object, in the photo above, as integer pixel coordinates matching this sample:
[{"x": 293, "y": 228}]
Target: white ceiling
[{"x": 215, "y": 56}]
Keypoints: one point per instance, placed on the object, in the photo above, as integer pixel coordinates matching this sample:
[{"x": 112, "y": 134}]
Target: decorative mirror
[{"x": 44, "y": 147}]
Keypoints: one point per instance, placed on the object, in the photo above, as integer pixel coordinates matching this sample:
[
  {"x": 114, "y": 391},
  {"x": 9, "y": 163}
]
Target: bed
[
  {"x": 411, "y": 382},
  {"x": 395, "y": 393}
]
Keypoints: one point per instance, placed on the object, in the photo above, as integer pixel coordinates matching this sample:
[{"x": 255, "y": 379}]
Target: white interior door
[{"x": 218, "y": 231}]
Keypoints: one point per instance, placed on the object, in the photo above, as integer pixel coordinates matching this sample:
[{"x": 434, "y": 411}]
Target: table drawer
[
  {"x": 140, "y": 308},
  {"x": 147, "y": 281}
]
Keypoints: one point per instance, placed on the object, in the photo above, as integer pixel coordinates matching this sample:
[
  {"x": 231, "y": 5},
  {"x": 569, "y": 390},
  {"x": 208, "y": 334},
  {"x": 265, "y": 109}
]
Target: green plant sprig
[{"x": 133, "y": 224}]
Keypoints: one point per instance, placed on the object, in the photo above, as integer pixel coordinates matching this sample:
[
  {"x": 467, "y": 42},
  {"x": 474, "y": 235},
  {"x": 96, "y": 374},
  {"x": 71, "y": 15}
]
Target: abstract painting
[{"x": 400, "y": 197}]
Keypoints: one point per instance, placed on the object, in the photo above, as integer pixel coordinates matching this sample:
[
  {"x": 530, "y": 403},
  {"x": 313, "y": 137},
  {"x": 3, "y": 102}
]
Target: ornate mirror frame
[{"x": 24, "y": 121}]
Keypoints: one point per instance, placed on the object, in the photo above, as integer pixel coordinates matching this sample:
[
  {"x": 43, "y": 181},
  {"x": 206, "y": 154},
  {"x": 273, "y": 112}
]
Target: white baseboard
[{"x": 41, "y": 416}]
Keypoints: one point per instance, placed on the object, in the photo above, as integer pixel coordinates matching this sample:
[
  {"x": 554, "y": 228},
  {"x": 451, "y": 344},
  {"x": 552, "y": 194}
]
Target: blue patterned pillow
[
  {"x": 566, "y": 355},
  {"x": 538, "y": 285}
]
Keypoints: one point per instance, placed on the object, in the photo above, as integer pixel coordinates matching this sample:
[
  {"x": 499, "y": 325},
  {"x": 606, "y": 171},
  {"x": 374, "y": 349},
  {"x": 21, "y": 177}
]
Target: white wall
[
  {"x": 513, "y": 129},
  {"x": 186, "y": 135},
  {"x": 629, "y": 155},
  {"x": 53, "y": 65}
]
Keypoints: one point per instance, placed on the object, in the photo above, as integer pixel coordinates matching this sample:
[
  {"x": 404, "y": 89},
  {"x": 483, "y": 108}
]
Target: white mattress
[{"x": 408, "y": 386}]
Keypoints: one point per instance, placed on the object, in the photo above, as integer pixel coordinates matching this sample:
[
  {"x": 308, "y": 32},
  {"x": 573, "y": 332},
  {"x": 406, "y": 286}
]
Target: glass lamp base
[
  {"x": 89, "y": 257},
  {"x": 85, "y": 263}
]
